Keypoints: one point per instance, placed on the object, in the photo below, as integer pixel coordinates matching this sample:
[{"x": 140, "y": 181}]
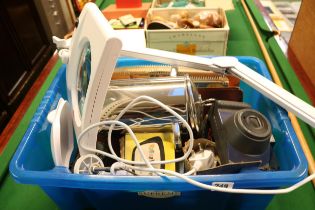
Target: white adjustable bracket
[
  {"x": 230, "y": 65},
  {"x": 62, "y": 43},
  {"x": 63, "y": 46}
]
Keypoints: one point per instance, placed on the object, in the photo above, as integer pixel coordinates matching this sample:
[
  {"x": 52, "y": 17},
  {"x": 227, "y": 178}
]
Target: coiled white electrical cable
[
  {"x": 166, "y": 108},
  {"x": 161, "y": 172},
  {"x": 105, "y": 114},
  {"x": 115, "y": 157}
]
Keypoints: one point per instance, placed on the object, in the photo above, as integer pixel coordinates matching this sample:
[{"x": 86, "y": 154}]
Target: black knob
[{"x": 248, "y": 131}]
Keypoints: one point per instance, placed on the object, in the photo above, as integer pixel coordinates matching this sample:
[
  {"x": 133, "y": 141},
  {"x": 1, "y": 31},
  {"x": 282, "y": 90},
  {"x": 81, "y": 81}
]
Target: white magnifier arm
[
  {"x": 231, "y": 65},
  {"x": 290, "y": 102}
]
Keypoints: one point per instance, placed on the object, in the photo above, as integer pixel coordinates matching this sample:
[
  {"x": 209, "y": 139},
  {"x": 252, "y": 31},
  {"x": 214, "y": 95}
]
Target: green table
[{"x": 242, "y": 42}]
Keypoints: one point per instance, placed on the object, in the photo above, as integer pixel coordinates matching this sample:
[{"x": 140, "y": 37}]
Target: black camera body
[{"x": 241, "y": 133}]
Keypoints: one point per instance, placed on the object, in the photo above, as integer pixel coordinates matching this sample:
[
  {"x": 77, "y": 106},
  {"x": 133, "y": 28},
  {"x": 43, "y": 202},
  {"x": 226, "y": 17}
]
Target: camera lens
[{"x": 248, "y": 131}]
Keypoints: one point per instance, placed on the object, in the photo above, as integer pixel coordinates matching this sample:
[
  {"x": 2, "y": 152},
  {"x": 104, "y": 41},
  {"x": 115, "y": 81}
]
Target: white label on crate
[
  {"x": 159, "y": 194},
  {"x": 223, "y": 184}
]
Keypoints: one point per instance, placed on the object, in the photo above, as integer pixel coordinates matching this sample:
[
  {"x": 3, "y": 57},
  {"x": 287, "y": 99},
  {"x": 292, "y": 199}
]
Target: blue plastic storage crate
[{"x": 33, "y": 164}]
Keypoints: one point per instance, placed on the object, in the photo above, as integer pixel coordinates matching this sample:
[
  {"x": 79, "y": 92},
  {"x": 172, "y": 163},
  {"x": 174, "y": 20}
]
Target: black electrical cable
[{"x": 96, "y": 170}]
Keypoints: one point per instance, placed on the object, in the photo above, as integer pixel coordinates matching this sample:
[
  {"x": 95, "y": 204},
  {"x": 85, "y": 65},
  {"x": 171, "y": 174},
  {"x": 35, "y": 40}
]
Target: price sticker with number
[{"x": 223, "y": 184}]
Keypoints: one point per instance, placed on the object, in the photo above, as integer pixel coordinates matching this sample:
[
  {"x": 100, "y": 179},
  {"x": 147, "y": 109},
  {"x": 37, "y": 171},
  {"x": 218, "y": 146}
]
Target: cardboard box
[
  {"x": 212, "y": 41},
  {"x": 157, "y": 4},
  {"x": 224, "y": 4},
  {"x": 112, "y": 11}
]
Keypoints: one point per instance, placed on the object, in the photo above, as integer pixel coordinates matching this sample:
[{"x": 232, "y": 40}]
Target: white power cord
[
  {"x": 227, "y": 190},
  {"x": 168, "y": 109},
  {"x": 161, "y": 172},
  {"x": 106, "y": 112},
  {"x": 115, "y": 157}
]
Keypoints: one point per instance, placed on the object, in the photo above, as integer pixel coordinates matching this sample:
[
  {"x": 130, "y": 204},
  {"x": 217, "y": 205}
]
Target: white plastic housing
[
  {"x": 61, "y": 135},
  {"x": 105, "y": 48}
]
